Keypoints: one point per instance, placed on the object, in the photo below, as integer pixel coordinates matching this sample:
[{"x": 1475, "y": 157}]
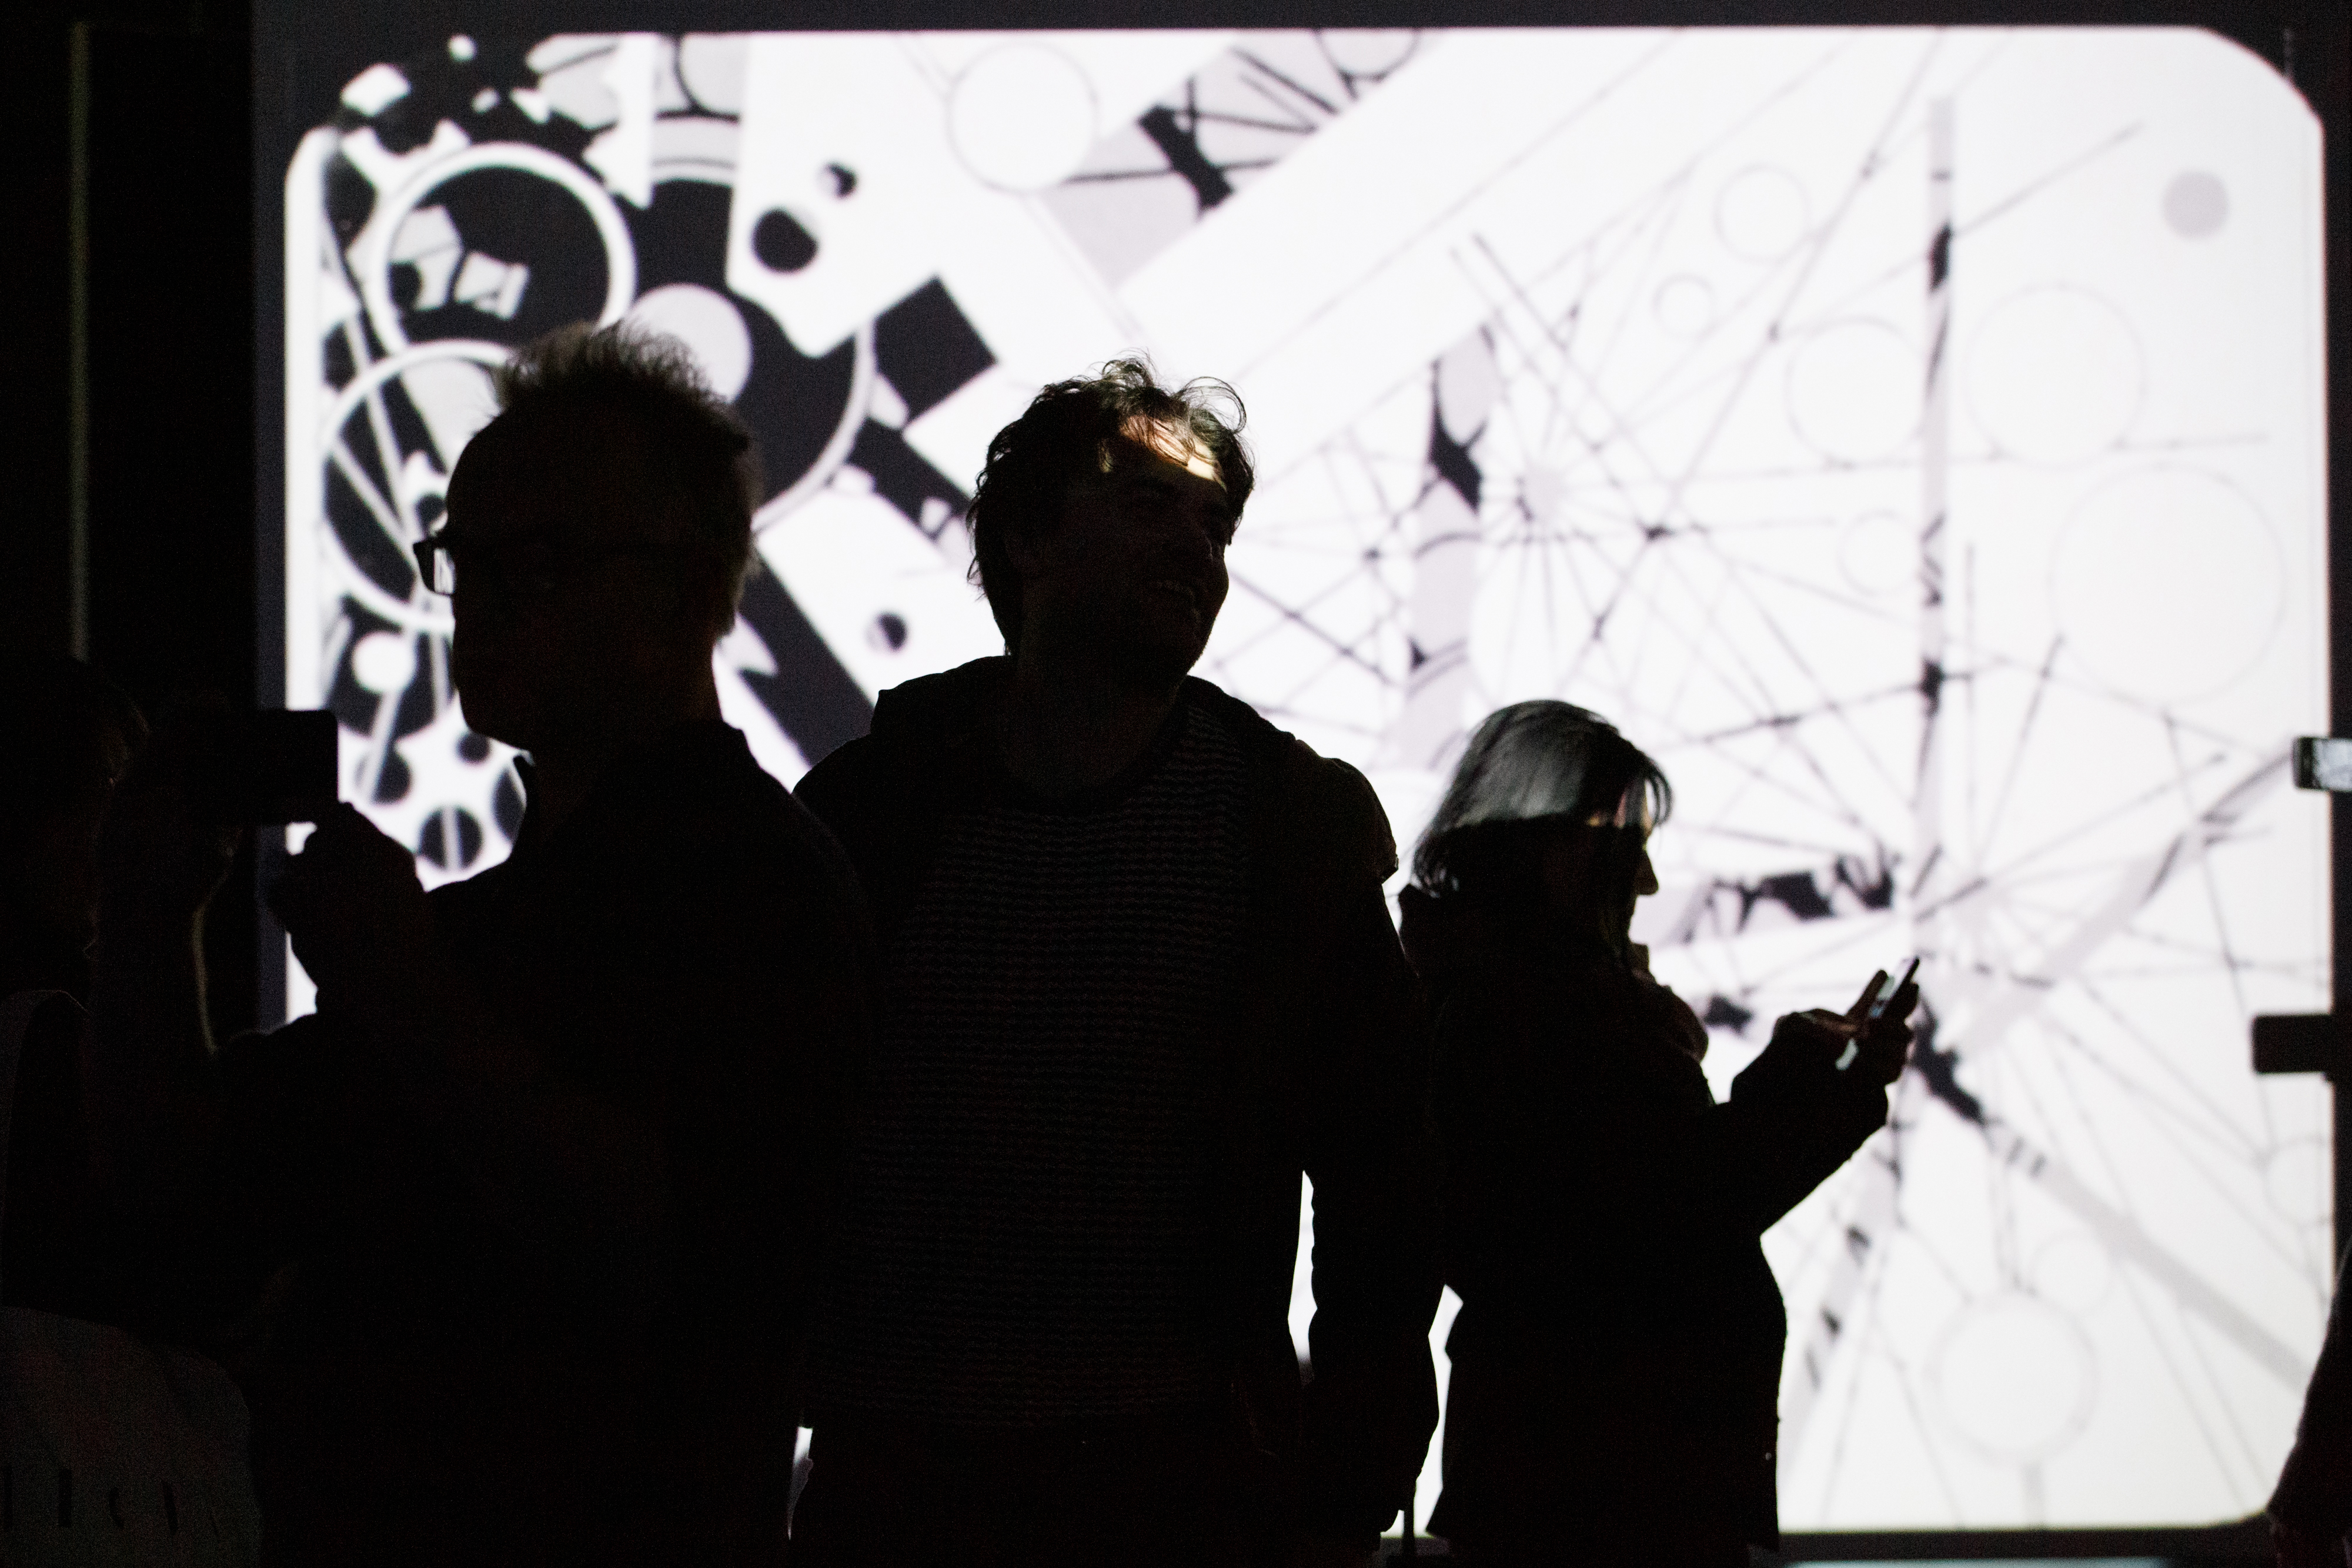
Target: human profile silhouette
[
  {"x": 1140, "y": 979},
  {"x": 531, "y": 1204},
  {"x": 1616, "y": 1360}
]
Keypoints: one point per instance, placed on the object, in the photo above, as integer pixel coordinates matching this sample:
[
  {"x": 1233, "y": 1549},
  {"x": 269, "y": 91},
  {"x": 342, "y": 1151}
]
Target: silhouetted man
[
  {"x": 1139, "y": 976},
  {"x": 547, "y": 1162}
]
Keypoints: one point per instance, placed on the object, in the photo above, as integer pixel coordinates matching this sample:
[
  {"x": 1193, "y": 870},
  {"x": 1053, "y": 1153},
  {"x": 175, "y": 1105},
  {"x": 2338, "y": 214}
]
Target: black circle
[
  {"x": 893, "y": 629},
  {"x": 844, "y": 178},
  {"x": 432, "y": 845},
  {"x": 793, "y": 404},
  {"x": 511, "y": 217},
  {"x": 779, "y": 242},
  {"x": 473, "y": 748},
  {"x": 505, "y": 806}
]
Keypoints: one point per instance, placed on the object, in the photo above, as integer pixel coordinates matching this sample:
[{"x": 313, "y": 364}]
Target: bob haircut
[
  {"x": 1529, "y": 770},
  {"x": 1068, "y": 428}
]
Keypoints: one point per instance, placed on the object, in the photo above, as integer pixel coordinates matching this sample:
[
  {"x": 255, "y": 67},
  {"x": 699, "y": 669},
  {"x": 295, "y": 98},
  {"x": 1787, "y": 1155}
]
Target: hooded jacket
[{"x": 1323, "y": 1062}]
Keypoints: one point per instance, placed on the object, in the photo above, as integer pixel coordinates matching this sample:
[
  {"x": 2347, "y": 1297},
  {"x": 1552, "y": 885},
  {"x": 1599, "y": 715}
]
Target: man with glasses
[
  {"x": 1139, "y": 976},
  {"x": 540, "y": 1184}
]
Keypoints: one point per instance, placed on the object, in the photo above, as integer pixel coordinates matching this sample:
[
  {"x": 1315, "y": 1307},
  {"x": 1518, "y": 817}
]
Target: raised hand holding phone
[
  {"x": 1883, "y": 1000},
  {"x": 1878, "y": 1034},
  {"x": 1861, "y": 1004}
]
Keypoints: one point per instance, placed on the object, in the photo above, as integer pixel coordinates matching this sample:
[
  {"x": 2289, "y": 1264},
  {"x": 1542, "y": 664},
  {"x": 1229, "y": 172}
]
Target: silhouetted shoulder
[
  {"x": 883, "y": 794},
  {"x": 946, "y": 705},
  {"x": 1330, "y": 817},
  {"x": 717, "y": 789},
  {"x": 1354, "y": 826},
  {"x": 886, "y": 768},
  {"x": 687, "y": 828},
  {"x": 708, "y": 795}
]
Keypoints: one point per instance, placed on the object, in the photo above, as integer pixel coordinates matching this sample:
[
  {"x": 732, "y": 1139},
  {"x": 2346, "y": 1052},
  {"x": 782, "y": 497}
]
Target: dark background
[{"x": 148, "y": 141}]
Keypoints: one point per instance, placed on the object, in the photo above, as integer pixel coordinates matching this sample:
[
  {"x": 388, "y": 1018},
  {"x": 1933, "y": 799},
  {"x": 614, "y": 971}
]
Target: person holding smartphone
[
  {"x": 531, "y": 1206},
  {"x": 1616, "y": 1362}
]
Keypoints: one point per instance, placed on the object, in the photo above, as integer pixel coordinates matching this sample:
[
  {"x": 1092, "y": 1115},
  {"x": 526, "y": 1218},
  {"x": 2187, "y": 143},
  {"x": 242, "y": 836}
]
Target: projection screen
[{"x": 1913, "y": 438}]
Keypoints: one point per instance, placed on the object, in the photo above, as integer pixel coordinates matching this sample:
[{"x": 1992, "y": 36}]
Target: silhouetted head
[
  {"x": 601, "y": 527},
  {"x": 1549, "y": 811},
  {"x": 67, "y": 734},
  {"x": 1099, "y": 524}
]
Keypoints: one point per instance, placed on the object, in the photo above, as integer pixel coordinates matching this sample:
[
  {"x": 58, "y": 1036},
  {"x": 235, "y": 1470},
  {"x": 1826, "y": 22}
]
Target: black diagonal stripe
[{"x": 811, "y": 695}]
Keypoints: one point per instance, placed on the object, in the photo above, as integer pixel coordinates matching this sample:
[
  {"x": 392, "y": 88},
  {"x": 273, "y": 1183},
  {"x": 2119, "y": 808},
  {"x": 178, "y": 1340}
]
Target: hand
[
  {"x": 357, "y": 914},
  {"x": 2299, "y": 1549},
  {"x": 159, "y": 861},
  {"x": 1882, "y": 1044},
  {"x": 1876, "y": 1050}
]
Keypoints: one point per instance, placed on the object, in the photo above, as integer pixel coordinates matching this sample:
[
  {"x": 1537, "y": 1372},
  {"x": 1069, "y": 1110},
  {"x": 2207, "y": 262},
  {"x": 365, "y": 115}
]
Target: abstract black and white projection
[{"x": 1912, "y": 437}]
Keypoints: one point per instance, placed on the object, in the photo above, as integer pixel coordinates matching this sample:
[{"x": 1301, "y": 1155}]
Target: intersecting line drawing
[{"x": 1910, "y": 437}]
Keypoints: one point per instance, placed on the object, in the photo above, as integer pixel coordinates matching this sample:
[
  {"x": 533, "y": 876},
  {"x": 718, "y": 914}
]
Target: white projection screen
[{"x": 1914, "y": 438}]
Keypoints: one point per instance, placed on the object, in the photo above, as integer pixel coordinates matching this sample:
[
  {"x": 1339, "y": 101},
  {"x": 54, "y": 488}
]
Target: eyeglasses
[
  {"x": 526, "y": 567},
  {"x": 436, "y": 562}
]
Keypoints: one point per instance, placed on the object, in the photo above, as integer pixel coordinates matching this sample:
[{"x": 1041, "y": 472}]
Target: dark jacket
[
  {"x": 483, "y": 1360},
  {"x": 1616, "y": 1362},
  {"x": 1325, "y": 1060}
]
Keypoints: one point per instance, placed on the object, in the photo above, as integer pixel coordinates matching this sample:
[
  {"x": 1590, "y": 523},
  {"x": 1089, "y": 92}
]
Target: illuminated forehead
[{"x": 1176, "y": 445}]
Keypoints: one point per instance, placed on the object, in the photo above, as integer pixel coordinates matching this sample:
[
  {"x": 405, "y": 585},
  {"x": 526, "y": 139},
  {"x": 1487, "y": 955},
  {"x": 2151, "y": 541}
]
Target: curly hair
[
  {"x": 695, "y": 453},
  {"x": 1067, "y": 428}
]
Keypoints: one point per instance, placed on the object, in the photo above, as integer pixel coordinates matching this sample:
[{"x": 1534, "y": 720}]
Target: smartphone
[
  {"x": 257, "y": 768},
  {"x": 1873, "y": 1004},
  {"x": 1884, "y": 996}
]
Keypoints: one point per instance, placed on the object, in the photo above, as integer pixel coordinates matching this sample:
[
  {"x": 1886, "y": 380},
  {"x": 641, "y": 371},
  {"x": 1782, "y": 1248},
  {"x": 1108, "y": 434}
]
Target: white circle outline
[
  {"x": 2054, "y": 596},
  {"x": 2086, "y": 1398},
  {"x": 361, "y": 587},
  {"x": 1973, "y": 358},
  {"x": 1021, "y": 45},
  {"x": 372, "y": 253}
]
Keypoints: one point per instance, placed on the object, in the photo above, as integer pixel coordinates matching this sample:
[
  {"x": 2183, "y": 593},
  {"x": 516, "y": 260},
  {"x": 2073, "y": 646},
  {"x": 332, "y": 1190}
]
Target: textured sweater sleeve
[{"x": 1373, "y": 1404}]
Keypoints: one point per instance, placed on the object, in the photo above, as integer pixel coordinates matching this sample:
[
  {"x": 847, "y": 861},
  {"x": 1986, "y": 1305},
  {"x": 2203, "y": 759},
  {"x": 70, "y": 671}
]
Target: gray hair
[{"x": 1534, "y": 761}]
